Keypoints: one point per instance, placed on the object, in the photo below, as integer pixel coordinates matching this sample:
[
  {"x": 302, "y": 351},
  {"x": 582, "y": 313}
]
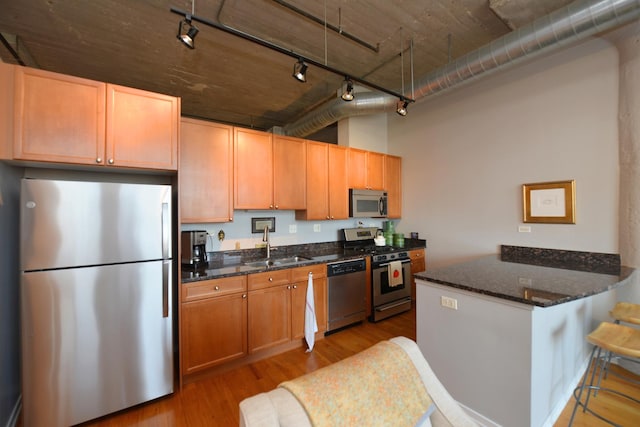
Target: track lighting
[
  {"x": 347, "y": 89},
  {"x": 300, "y": 71},
  {"x": 187, "y": 32},
  {"x": 401, "y": 107}
]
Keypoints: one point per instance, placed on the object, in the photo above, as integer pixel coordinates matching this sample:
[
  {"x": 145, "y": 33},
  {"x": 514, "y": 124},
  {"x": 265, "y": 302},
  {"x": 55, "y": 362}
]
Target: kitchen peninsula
[{"x": 505, "y": 333}]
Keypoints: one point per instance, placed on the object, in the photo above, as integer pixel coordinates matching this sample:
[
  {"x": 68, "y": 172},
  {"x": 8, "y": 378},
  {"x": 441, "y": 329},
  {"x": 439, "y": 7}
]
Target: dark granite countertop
[
  {"x": 232, "y": 263},
  {"x": 526, "y": 281}
]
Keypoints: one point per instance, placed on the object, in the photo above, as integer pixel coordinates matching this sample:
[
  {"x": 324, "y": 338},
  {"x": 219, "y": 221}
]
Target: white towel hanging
[{"x": 310, "y": 323}]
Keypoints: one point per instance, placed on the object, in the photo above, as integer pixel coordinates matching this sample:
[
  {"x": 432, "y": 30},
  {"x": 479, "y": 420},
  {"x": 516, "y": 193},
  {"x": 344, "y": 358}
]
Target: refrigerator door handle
[
  {"x": 165, "y": 288},
  {"x": 166, "y": 233}
]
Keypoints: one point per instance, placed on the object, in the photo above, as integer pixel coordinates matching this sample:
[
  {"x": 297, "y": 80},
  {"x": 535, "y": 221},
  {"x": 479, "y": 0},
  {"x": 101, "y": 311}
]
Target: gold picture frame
[{"x": 550, "y": 202}]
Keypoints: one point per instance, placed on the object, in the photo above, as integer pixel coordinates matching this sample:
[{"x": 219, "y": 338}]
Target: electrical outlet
[
  {"x": 524, "y": 229},
  {"x": 448, "y": 302},
  {"x": 524, "y": 281},
  {"x": 293, "y": 228},
  {"x": 316, "y": 228}
]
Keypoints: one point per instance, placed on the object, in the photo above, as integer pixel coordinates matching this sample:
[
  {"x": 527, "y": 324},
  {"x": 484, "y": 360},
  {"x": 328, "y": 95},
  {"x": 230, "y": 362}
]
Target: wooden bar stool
[
  {"x": 626, "y": 312},
  {"x": 608, "y": 337}
]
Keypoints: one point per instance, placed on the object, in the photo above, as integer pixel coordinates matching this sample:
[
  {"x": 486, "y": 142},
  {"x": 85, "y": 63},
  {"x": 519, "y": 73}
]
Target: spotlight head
[
  {"x": 300, "y": 71},
  {"x": 347, "y": 91},
  {"x": 401, "y": 107},
  {"x": 187, "y": 32}
]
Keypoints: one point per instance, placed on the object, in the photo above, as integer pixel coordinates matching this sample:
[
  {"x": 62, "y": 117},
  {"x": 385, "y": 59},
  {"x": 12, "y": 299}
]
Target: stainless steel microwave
[{"x": 367, "y": 203}]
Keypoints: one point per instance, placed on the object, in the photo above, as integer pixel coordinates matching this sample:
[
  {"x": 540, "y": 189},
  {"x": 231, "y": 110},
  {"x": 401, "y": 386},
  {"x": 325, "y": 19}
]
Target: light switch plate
[{"x": 316, "y": 228}]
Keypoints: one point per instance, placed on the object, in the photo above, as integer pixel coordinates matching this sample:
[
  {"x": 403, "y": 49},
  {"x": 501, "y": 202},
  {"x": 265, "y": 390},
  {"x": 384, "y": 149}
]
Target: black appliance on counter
[
  {"x": 390, "y": 272},
  {"x": 194, "y": 252}
]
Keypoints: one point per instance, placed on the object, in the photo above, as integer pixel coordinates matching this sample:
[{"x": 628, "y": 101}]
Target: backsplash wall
[{"x": 238, "y": 232}]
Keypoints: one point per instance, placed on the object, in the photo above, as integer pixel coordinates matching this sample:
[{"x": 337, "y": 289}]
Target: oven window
[{"x": 384, "y": 282}]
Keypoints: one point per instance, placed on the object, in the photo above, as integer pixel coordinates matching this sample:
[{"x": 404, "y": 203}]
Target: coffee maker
[{"x": 194, "y": 251}]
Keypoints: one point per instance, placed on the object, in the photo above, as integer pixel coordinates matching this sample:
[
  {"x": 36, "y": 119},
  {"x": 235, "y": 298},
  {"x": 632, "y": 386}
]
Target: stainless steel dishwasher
[{"x": 346, "y": 284}]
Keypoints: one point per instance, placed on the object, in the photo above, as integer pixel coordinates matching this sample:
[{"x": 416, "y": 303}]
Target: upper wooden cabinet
[
  {"x": 269, "y": 171},
  {"x": 206, "y": 171},
  {"x": 327, "y": 191},
  {"x": 65, "y": 119},
  {"x": 366, "y": 169},
  {"x": 142, "y": 128},
  {"x": 393, "y": 185},
  {"x": 289, "y": 173}
]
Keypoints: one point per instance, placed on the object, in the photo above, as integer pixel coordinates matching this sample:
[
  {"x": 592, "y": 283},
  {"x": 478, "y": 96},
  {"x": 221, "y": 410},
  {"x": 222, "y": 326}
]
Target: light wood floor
[{"x": 214, "y": 401}]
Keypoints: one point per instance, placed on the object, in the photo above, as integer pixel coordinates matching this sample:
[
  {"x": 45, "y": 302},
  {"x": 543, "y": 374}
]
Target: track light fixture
[
  {"x": 187, "y": 32},
  {"x": 347, "y": 89},
  {"x": 401, "y": 107},
  {"x": 300, "y": 71}
]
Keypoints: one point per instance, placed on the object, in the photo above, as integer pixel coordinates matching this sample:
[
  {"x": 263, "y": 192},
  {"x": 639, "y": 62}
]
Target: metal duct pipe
[{"x": 576, "y": 21}]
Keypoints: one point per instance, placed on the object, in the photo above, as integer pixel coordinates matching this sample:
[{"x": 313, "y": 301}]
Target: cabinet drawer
[
  {"x": 213, "y": 288},
  {"x": 416, "y": 254},
  {"x": 268, "y": 279},
  {"x": 301, "y": 274}
]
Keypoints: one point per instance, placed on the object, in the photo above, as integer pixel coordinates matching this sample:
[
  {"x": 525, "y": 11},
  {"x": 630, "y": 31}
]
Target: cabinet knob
[
  {"x": 230, "y": 218},
  {"x": 276, "y": 206},
  {"x": 110, "y": 161},
  {"x": 99, "y": 160},
  {"x": 244, "y": 295},
  {"x": 271, "y": 279},
  {"x": 328, "y": 217},
  {"x": 217, "y": 288},
  {"x": 288, "y": 286},
  {"x": 295, "y": 286},
  {"x": 270, "y": 206}
]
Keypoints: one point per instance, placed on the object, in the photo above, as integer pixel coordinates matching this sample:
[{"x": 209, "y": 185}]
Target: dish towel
[
  {"x": 310, "y": 323},
  {"x": 395, "y": 273}
]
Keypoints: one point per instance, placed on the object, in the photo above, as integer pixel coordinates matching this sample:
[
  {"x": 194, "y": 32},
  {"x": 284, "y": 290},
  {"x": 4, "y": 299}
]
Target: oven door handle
[{"x": 387, "y": 263}]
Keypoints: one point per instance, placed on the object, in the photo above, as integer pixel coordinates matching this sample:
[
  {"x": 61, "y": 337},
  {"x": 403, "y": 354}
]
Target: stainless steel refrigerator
[{"x": 96, "y": 299}]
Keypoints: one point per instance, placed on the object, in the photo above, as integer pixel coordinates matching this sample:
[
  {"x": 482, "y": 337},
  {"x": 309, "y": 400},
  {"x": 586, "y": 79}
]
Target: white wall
[{"x": 466, "y": 155}]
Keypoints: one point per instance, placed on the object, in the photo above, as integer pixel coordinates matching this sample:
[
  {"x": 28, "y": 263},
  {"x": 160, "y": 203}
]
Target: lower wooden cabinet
[
  {"x": 247, "y": 316},
  {"x": 213, "y": 323},
  {"x": 277, "y": 302},
  {"x": 418, "y": 264}
]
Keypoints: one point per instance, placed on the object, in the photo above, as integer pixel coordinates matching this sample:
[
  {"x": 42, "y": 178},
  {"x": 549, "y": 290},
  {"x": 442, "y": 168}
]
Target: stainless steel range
[{"x": 390, "y": 272}]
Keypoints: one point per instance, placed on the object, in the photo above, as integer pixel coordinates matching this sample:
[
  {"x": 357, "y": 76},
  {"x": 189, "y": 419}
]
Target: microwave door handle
[{"x": 381, "y": 206}]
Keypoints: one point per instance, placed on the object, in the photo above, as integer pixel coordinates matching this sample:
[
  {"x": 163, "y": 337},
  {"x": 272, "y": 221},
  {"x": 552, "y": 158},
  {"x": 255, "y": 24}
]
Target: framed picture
[
  {"x": 550, "y": 202},
  {"x": 258, "y": 224}
]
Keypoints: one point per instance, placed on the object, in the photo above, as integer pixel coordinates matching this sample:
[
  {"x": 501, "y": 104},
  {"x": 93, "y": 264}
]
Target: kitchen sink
[{"x": 275, "y": 262}]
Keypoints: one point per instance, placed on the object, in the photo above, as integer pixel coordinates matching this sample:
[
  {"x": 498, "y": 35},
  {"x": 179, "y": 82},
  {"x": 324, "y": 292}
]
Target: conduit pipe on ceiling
[{"x": 576, "y": 21}]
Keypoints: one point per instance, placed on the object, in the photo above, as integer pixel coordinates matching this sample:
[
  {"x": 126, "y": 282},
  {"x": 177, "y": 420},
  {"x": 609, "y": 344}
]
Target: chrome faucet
[{"x": 265, "y": 238}]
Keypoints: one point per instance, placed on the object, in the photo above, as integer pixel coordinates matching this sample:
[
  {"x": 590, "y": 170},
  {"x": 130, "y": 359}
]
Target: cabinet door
[
  {"x": 338, "y": 189},
  {"x": 298, "y": 308},
  {"x": 418, "y": 264},
  {"x": 317, "y": 182},
  {"x": 375, "y": 170},
  {"x": 206, "y": 172},
  {"x": 253, "y": 169},
  {"x": 289, "y": 173},
  {"x": 7, "y": 85},
  {"x": 213, "y": 331},
  {"x": 58, "y": 118},
  {"x": 269, "y": 317},
  {"x": 393, "y": 185},
  {"x": 357, "y": 168},
  {"x": 142, "y": 129}
]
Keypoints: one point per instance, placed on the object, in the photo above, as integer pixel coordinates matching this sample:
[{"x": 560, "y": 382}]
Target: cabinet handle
[
  {"x": 270, "y": 206},
  {"x": 216, "y": 288},
  {"x": 110, "y": 161},
  {"x": 244, "y": 295},
  {"x": 328, "y": 217},
  {"x": 230, "y": 218},
  {"x": 276, "y": 206},
  {"x": 295, "y": 286},
  {"x": 99, "y": 160},
  {"x": 288, "y": 286},
  {"x": 271, "y": 279}
]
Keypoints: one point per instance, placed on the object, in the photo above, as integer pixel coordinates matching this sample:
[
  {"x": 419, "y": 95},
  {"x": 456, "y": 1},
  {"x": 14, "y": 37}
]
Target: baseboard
[
  {"x": 478, "y": 417},
  {"x": 15, "y": 414}
]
